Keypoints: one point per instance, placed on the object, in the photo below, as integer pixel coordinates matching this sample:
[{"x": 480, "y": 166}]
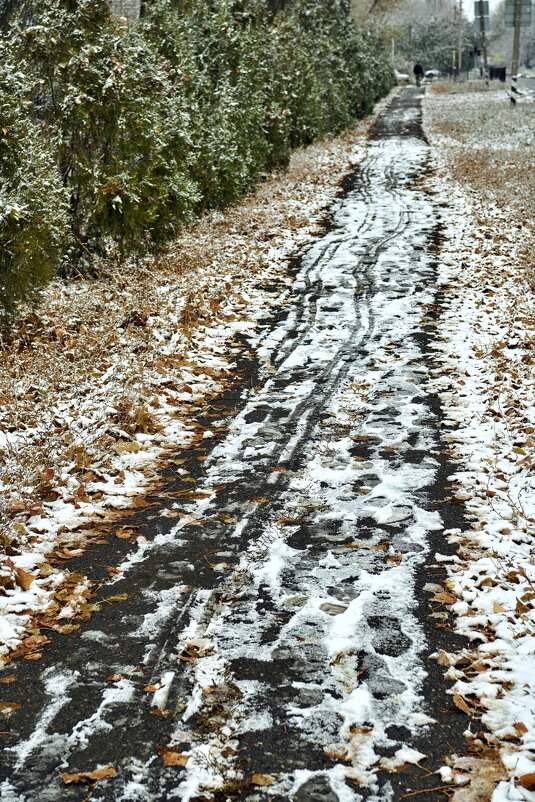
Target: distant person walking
[{"x": 418, "y": 73}]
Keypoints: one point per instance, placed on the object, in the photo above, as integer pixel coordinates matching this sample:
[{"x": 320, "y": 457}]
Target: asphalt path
[{"x": 276, "y": 636}]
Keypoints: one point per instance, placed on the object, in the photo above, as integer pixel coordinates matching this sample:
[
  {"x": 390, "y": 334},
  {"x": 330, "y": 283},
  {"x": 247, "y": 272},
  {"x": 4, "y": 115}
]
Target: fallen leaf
[
  {"x": 520, "y": 727},
  {"x": 171, "y": 758},
  {"x": 8, "y": 707},
  {"x": 119, "y": 597},
  {"x": 459, "y": 702},
  {"x": 24, "y": 579},
  {"x": 527, "y": 781},
  {"x": 33, "y": 656},
  {"x": 261, "y": 500},
  {"x": 150, "y": 688},
  {"x": 262, "y": 779},
  {"x": 12, "y": 678},
  {"x": 114, "y": 677},
  {"x": 445, "y": 598},
  {"x": 521, "y": 607},
  {"x": 124, "y": 534},
  {"x": 65, "y": 554},
  {"x": 158, "y": 711},
  {"x": 89, "y": 776},
  {"x": 446, "y": 659}
]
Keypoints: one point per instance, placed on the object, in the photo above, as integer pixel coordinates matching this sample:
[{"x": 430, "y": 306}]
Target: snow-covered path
[{"x": 279, "y": 633}]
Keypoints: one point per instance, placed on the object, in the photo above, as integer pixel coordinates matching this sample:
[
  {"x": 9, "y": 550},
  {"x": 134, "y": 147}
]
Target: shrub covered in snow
[
  {"x": 148, "y": 124},
  {"x": 33, "y": 202},
  {"x": 120, "y": 126}
]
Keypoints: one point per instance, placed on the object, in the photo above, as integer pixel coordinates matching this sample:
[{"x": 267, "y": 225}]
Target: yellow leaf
[
  {"x": 262, "y": 779},
  {"x": 119, "y": 597}
]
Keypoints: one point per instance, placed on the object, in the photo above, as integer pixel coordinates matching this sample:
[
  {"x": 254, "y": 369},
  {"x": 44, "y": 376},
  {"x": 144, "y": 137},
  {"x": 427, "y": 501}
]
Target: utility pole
[
  {"x": 516, "y": 50},
  {"x": 410, "y": 49},
  {"x": 460, "y": 42},
  {"x": 483, "y": 41}
]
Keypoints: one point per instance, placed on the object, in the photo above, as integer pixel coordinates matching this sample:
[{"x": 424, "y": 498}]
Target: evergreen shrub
[
  {"x": 34, "y": 225},
  {"x": 141, "y": 126}
]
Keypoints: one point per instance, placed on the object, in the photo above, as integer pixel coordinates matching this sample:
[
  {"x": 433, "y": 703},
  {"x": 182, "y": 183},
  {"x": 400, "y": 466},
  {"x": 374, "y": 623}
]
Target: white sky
[{"x": 469, "y": 7}]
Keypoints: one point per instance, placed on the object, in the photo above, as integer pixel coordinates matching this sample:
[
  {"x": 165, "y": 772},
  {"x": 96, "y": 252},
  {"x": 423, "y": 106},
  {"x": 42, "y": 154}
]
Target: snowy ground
[
  {"x": 486, "y": 383},
  {"x": 274, "y": 640}
]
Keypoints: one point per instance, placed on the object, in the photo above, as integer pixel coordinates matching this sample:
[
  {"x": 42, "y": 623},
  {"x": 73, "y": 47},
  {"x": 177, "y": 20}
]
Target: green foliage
[
  {"x": 33, "y": 202},
  {"x": 260, "y": 86},
  {"x": 147, "y": 124},
  {"x": 120, "y": 124}
]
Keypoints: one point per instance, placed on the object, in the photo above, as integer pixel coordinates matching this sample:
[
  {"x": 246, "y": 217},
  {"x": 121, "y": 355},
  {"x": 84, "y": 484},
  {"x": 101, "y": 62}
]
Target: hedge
[{"x": 121, "y": 134}]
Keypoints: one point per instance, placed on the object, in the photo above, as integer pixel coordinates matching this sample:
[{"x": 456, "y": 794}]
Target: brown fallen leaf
[
  {"x": 262, "y": 779},
  {"x": 459, "y": 702},
  {"x": 12, "y": 678},
  {"x": 160, "y": 712},
  {"x": 527, "y": 781},
  {"x": 124, "y": 533},
  {"x": 114, "y": 677},
  {"x": 172, "y": 758},
  {"x": 520, "y": 727},
  {"x": 33, "y": 656},
  {"x": 521, "y": 607},
  {"x": 66, "y": 554},
  {"x": 89, "y": 776},
  {"x": 150, "y": 688},
  {"x": 24, "y": 579},
  {"x": 261, "y": 500},
  {"x": 445, "y": 598},
  {"x": 8, "y": 707}
]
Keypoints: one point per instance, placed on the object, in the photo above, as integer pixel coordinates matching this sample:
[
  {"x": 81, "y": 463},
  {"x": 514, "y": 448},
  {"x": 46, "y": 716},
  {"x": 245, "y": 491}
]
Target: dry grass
[{"x": 488, "y": 147}]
